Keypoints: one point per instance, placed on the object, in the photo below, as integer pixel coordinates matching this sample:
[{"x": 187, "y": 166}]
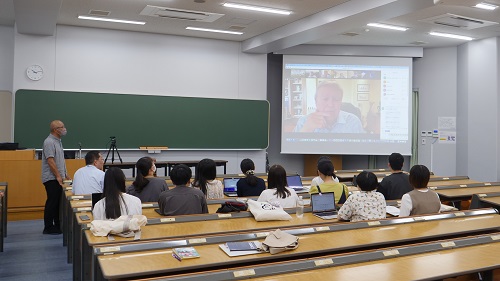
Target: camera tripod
[{"x": 112, "y": 149}]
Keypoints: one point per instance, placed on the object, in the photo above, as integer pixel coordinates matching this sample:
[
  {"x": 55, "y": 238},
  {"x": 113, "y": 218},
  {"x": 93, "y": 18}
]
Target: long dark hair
[
  {"x": 248, "y": 168},
  {"x": 277, "y": 179},
  {"x": 143, "y": 166},
  {"x": 114, "y": 186},
  {"x": 206, "y": 170}
]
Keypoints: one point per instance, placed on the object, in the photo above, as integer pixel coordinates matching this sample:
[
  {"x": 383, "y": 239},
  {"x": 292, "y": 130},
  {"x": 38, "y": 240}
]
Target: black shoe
[
  {"x": 46, "y": 231},
  {"x": 54, "y": 230}
]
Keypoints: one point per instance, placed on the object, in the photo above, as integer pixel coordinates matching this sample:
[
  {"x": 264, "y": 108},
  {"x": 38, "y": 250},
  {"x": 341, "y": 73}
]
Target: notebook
[
  {"x": 95, "y": 198},
  {"x": 323, "y": 205},
  {"x": 230, "y": 187},
  {"x": 294, "y": 182},
  {"x": 242, "y": 246}
]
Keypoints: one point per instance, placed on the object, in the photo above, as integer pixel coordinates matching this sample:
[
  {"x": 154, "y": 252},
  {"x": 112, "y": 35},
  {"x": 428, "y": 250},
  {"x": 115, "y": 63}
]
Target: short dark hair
[
  {"x": 396, "y": 161},
  {"x": 206, "y": 170},
  {"x": 324, "y": 158},
  {"x": 419, "y": 176},
  {"x": 326, "y": 168},
  {"x": 91, "y": 156},
  {"x": 180, "y": 174},
  {"x": 367, "y": 181}
]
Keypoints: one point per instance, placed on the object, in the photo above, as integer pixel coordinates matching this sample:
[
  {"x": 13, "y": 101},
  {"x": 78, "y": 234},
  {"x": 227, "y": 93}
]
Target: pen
[{"x": 176, "y": 257}]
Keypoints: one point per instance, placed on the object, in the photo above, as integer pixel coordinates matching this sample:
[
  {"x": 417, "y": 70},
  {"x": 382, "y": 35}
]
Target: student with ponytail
[
  {"x": 146, "y": 186},
  {"x": 250, "y": 185}
]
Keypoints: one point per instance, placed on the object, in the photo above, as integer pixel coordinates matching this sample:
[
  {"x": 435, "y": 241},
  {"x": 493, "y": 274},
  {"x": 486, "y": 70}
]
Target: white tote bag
[{"x": 264, "y": 211}]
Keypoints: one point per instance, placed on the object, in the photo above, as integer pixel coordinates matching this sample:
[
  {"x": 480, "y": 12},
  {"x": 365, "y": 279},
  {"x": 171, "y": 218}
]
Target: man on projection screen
[{"x": 328, "y": 118}]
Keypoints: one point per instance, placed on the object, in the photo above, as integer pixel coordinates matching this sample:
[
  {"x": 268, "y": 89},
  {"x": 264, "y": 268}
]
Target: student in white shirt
[
  {"x": 90, "y": 179},
  {"x": 115, "y": 201},
  {"x": 204, "y": 179},
  {"x": 278, "y": 192}
]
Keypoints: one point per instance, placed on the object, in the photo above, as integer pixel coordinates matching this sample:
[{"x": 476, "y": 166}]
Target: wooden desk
[
  {"x": 26, "y": 191},
  {"x": 457, "y": 194},
  {"x": 118, "y": 164},
  {"x": 320, "y": 242},
  {"x": 436, "y": 265}
]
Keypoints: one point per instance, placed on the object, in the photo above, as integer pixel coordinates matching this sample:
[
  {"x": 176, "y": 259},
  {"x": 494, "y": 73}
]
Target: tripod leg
[
  {"x": 109, "y": 150},
  {"x": 113, "y": 154},
  {"x": 119, "y": 157}
]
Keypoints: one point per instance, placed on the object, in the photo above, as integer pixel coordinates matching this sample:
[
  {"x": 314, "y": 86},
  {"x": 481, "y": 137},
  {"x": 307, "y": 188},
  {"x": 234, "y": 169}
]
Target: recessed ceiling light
[
  {"x": 486, "y": 6},
  {"x": 214, "y": 30},
  {"x": 386, "y": 26},
  {"x": 454, "y": 36},
  {"x": 256, "y": 8},
  {"x": 111, "y": 20}
]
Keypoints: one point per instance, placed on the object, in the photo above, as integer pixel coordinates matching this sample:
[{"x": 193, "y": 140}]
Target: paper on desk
[
  {"x": 239, "y": 253},
  {"x": 392, "y": 210},
  {"x": 446, "y": 208}
]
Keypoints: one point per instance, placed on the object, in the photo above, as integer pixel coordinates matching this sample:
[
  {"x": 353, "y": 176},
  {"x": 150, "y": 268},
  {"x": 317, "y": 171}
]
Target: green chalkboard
[{"x": 141, "y": 120}]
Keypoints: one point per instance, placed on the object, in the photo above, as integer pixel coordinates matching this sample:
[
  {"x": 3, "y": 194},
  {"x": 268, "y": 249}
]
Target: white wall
[
  {"x": 435, "y": 75},
  {"x": 478, "y": 67},
  {"x": 6, "y": 57},
  {"x": 96, "y": 60}
]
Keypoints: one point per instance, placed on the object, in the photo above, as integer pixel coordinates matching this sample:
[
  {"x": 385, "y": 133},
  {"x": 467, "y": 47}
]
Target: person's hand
[
  {"x": 68, "y": 178},
  {"x": 59, "y": 180},
  {"x": 315, "y": 120}
]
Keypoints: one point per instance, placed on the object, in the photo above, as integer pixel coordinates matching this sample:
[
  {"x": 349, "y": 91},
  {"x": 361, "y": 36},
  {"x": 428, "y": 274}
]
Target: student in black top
[
  {"x": 250, "y": 185},
  {"x": 397, "y": 184}
]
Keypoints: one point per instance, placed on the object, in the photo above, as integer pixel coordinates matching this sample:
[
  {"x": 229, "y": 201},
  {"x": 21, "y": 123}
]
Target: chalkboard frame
[{"x": 141, "y": 120}]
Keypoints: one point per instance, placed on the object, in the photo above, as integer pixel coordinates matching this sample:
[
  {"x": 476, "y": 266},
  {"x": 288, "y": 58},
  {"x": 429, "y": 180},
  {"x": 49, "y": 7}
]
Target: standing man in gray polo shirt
[{"x": 53, "y": 173}]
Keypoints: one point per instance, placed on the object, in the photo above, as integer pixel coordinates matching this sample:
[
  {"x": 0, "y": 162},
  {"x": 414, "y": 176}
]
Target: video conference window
[{"x": 347, "y": 104}]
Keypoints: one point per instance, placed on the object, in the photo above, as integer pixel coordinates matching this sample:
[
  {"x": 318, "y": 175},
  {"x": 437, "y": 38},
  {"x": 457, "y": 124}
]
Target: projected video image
[
  {"x": 315, "y": 101},
  {"x": 346, "y": 105}
]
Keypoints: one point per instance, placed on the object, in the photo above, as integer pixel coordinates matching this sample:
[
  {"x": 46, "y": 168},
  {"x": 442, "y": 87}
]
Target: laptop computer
[
  {"x": 95, "y": 198},
  {"x": 230, "y": 188},
  {"x": 323, "y": 205},
  {"x": 294, "y": 182}
]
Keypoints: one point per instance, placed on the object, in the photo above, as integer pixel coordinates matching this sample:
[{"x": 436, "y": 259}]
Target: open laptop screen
[
  {"x": 294, "y": 182},
  {"x": 321, "y": 202},
  {"x": 95, "y": 198},
  {"x": 230, "y": 184}
]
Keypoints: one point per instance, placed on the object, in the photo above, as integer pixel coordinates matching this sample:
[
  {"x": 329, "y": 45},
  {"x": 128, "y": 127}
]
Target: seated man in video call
[{"x": 328, "y": 117}]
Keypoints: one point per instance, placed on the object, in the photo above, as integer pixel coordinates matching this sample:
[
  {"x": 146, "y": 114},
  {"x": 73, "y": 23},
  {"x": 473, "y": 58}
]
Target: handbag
[
  {"x": 278, "y": 241},
  {"x": 232, "y": 206},
  {"x": 265, "y": 211}
]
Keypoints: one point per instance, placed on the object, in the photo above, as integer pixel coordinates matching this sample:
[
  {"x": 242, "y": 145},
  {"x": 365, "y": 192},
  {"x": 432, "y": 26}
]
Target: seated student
[
  {"x": 90, "y": 179},
  {"x": 365, "y": 205},
  {"x": 278, "y": 193},
  {"x": 325, "y": 171},
  {"x": 146, "y": 186},
  {"x": 204, "y": 179},
  {"x": 115, "y": 201},
  {"x": 250, "y": 185},
  {"x": 395, "y": 185},
  {"x": 317, "y": 180},
  {"x": 421, "y": 200},
  {"x": 182, "y": 200}
]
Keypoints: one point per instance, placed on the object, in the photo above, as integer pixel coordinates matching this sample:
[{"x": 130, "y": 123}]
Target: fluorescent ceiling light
[
  {"x": 447, "y": 35},
  {"x": 214, "y": 30},
  {"x": 486, "y": 6},
  {"x": 256, "y": 8},
  {"x": 111, "y": 20},
  {"x": 386, "y": 26}
]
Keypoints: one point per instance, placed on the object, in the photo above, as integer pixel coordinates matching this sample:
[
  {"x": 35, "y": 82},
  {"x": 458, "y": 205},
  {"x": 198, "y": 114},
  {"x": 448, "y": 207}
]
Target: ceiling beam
[
  {"x": 36, "y": 17},
  {"x": 335, "y": 20}
]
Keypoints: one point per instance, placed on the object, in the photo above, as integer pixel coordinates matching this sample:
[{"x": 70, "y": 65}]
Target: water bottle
[{"x": 299, "y": 210}]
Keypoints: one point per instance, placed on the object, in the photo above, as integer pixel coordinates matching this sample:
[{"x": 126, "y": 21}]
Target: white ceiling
[{"x": 311, "y": 21}]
